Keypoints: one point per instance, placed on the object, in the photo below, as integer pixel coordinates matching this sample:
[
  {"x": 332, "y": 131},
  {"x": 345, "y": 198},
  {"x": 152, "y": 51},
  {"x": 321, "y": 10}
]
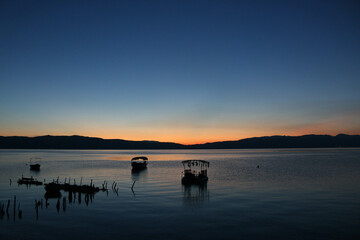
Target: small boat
[
  {"x": 138, "y": 163},
  {"x": 35, "y": 164},
  {"x": 191, "y": 176},
  {"x": 30, "y": 180}
]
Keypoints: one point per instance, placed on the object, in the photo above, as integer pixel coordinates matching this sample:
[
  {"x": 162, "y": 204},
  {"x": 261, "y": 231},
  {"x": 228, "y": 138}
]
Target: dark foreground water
[{"x": 294, "y": 194}]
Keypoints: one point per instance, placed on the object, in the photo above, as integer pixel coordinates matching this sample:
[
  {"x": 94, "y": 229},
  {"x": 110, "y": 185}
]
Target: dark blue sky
[{"x": 185, "y": 71}]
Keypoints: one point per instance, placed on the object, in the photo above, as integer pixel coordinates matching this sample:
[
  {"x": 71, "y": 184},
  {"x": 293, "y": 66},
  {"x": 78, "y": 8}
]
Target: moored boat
[
  {"x": 30, "y": 180},
  {"x": 35, "y": 164},
  {"x": 138, "y": 163},
  {"x": 192, "y": 175}
]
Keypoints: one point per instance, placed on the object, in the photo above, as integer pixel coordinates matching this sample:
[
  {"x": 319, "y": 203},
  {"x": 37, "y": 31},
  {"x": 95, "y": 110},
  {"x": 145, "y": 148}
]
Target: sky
[{"x": 179, "y": 71}]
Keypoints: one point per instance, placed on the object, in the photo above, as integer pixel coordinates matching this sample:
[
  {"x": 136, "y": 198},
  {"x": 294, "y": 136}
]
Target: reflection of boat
[
  {"x": 139, "y": 162},
  {"x": 56, "y": 187},
  {"x": 30, "y": 180},
  {"x": 195, "y": 176},
  {"x": 52, "y": 194},
  {"x": 35, "y": 164},
  {"x": 195, "y": 194},
  {"x": 139, "y": 174}
]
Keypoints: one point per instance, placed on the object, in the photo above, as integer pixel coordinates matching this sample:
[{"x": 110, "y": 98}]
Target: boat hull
[
  {"x": 35, "y": 167},
  {"x": 194, "y": 180},
  {"x": 138, "y": 166}
]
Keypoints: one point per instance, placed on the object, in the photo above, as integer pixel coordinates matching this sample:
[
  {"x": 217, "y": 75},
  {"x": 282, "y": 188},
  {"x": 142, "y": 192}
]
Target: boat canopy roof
[
  {"x": 140, "y": 158},
  {"x": 190, "y": 163}
]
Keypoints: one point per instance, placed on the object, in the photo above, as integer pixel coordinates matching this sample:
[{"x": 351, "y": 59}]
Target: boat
[
  {"x": 35, "y": 164},
  {"x": 28, "y": 181},
  {"x": 195, "y": 172},
  {"x": 139, "y": 163}
]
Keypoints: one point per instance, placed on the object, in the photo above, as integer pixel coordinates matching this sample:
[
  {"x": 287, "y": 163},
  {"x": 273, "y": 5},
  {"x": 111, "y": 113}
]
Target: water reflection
[
  {"x": 17, "y": 212},
  {"x": 307, "y": 193},
  {"x": 73, "y": 198},
  {"x": 195, "y": 194},
  {"x": 34, "y": 172},
  {"x": 138, "y": 174}
]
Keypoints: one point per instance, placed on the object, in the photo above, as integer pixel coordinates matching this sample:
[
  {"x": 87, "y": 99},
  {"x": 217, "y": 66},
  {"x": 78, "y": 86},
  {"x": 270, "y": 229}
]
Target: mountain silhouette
[{"x": 81, "y": 142}]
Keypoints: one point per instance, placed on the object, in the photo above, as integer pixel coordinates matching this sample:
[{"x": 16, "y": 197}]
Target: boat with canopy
[
  {"x": 138, "y": 163},
  {"x": 195, "y": 171}
]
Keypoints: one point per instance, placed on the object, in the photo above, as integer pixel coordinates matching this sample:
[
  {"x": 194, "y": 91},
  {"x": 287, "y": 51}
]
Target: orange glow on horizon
[{"x": 190, "y": 134}]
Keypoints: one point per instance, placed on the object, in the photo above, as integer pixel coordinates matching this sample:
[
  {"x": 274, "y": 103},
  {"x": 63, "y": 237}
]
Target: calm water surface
[{"x": 294, "y": 194}]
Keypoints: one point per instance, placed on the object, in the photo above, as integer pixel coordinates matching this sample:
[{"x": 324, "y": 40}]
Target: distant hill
[
  {"x": 80, "y": 142},
  {"x": 305, "y": 141}
]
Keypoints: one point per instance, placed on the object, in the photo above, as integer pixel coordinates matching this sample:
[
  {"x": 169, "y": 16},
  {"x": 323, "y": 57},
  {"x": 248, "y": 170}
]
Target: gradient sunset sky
[{"x": 180, "y": 71}]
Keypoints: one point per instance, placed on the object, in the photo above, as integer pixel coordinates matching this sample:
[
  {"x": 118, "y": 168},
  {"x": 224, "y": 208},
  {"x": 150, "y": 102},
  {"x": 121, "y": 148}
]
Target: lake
[{"x": 250, "y": 194}]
